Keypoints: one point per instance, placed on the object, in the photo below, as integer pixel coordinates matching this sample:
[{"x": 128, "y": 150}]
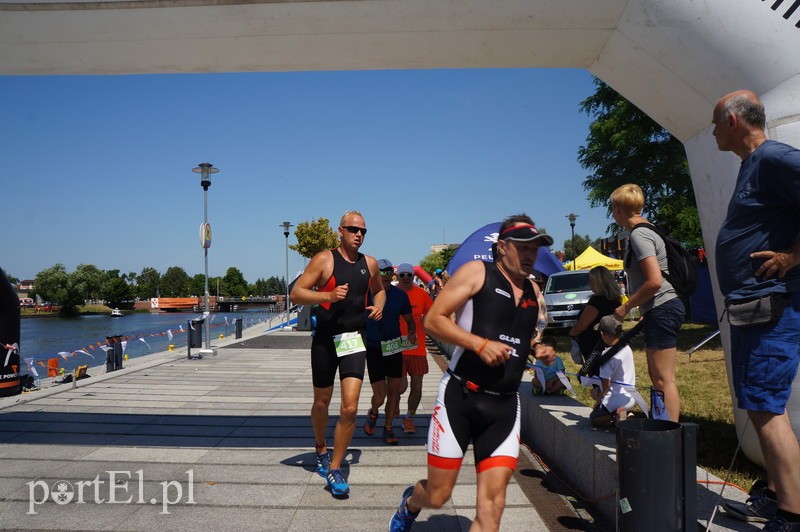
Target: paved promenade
[
  {"x": 226, "y": 438},
  {"x": 225, "y": 443}
]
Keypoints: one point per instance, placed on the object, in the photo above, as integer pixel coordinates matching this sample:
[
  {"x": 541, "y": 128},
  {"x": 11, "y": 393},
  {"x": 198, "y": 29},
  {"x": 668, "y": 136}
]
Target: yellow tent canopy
[{"x": 591, "y": 258}]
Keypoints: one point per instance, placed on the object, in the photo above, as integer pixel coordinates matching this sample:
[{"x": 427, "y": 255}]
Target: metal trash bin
[
  {"x": 656, "y": 475},
  {"x": 114, "y": 354},
  {"x": 195, "y": 336},
  {"x": 237, "y": 322}
]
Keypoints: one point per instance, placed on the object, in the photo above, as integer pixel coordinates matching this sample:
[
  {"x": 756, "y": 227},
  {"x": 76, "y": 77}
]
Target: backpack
[{"x": 682, "y": 264}]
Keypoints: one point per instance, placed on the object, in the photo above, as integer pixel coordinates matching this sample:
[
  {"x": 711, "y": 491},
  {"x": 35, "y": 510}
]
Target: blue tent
[{"x": 478, "y": 245}]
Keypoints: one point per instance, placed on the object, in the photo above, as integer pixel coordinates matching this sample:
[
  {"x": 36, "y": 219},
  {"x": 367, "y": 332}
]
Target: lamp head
[
  {"x": 572, "y": 217},
  {"x": 205, "y": 169}
]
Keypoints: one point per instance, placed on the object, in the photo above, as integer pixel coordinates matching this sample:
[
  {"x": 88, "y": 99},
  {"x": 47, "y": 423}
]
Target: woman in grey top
[{"x": 660, "y": 306}]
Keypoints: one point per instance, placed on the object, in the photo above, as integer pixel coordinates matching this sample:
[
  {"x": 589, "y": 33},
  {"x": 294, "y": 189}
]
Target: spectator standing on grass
[
  {"x": 659, "y": 304},
  {"x": 606, "y": 297},
  {"x": 757, "y": 258}
]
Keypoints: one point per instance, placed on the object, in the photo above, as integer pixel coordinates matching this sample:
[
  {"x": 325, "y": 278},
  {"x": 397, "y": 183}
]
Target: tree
[
  {"x": 148, "y": 283},
  {"x": 275, "y": 286},
  {"x": 259, "y": 288},
  {"x": 115, "y": 289},
  {"x": 88, "y": 280},
  {"x": 57, "y": 286},
  {"x": 197, "y": 285},
  {"x": 581, "y": 243},
  {"x": 314, "y": 237},
  {"x": 235, "y": 283},
  {"x": 175, "y": 282},
  {"x": 438, "y": 259},
  {"x": 626, "y": 146}
]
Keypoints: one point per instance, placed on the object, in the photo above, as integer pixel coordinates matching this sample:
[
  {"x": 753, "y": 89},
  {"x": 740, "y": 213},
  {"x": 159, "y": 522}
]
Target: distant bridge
[{"x": 221, "y": 303}]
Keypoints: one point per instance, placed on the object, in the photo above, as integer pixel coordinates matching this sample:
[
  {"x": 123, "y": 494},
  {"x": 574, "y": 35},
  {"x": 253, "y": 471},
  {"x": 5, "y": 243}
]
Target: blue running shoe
[
  {"x": 337, "y": 483},
  {"x": 323, "y": 464},
  {"x": 402, "y": 518}
]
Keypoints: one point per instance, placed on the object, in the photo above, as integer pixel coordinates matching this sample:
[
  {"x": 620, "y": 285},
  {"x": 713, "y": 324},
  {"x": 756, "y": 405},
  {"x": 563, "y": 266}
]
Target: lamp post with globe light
[
  {"x": 205, "y": 170},
  {"x": 572, "y": 217},
  {"x": 286, "y": 226}
]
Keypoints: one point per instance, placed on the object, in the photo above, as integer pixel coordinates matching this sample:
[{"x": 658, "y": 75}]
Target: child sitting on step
[
  {"x": 544, "y": 353},
  {"x": 613, "y": 400}
]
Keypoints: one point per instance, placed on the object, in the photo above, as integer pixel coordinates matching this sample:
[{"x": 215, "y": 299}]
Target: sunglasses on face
[
  {"x": 409, "y": 275},
  {"x": 353, "y": 229},
  {"x": 387, "y": 273}
]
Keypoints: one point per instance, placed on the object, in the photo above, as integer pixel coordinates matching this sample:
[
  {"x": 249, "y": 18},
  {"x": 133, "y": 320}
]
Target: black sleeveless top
[
  {"x": 348, "y": 314},
  {"x": 491, "y": 313}
]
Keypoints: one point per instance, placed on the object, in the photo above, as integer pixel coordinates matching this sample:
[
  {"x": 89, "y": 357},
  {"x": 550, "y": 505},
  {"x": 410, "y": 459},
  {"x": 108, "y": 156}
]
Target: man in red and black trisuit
[
  {"x": 336, "y": 282},
  {"x": 498, "y": 312}
]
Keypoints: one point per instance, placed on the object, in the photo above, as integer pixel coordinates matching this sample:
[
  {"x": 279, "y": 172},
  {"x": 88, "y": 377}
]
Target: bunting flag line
[
  {"x": 107, "y": 344},
  {"x": 13, "y": 348},
  {"x": 31, "y": 367}
]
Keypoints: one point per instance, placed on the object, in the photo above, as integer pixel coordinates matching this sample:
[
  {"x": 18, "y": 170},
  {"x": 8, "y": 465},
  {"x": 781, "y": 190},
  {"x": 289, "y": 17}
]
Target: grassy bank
[
  {"x": 705, "y": 400},
  {"x": 83, "y": 309}
]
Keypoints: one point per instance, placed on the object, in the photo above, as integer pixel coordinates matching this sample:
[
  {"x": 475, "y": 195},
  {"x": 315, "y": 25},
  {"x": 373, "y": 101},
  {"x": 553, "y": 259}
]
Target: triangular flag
[
  {"x": 169, "y": 335},
  {"x": 145, "y": 343}
]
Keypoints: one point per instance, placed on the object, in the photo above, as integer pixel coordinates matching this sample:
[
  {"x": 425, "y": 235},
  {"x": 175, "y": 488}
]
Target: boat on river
[{"x": 117, "y": 313}]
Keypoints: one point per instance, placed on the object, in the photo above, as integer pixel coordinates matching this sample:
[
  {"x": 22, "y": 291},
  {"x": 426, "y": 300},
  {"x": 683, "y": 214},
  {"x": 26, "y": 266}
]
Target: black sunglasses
[
  {"x": 387, "y": 273},
  {"x": 353, "y": 229},
  {"x": 405, "y": 275}
]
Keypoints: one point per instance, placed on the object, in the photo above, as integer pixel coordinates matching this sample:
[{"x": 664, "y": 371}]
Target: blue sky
[{"x": 98, "y": 169}]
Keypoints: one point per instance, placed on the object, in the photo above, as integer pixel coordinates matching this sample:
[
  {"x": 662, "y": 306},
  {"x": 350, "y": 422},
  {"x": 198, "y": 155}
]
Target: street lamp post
[
  {"x": 205, "y": 170},
  {"x": 286, "y": 226},
  {"x": 572, "y": 217}
]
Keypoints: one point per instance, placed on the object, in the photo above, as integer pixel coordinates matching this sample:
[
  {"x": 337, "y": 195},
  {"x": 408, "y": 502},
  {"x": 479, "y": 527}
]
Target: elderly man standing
[
  {"x": 336, "y": 282},
  {"x": 757, "y": 257}
]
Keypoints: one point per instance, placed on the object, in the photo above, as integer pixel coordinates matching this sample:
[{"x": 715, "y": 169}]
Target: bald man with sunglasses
[{"x": 336, "y": 283}]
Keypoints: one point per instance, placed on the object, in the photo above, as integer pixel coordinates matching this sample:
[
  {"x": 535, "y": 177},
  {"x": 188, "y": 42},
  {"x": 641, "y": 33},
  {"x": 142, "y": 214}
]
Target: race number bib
[
  {"x": 395, "y": 345},
  {"x": 348, "y": 343}
]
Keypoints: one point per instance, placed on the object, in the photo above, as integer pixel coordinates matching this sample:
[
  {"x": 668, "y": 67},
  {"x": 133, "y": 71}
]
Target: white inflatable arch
[{"x": 673, "y": 59}]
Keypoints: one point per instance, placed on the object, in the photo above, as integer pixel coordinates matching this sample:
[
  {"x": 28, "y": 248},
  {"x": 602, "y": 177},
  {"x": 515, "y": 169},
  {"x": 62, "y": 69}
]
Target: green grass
[{"x": 705, "y": 400}]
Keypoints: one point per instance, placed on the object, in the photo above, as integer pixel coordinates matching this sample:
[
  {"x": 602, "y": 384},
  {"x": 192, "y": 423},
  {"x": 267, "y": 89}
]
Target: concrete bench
[{"x": 558, "y": 429}]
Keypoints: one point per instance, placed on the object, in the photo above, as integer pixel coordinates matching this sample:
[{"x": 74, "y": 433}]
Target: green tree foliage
[
  {"x": 88, "y": 280},
  {"x": 11, "y": 279},
  {"x": 56, "y": 285},
  {"x": 276, "y": 286},
  {"x": 197, "y": 285},
  {"x": 626, "y": 146},
  {"x": 235, "y": 283},
  {"x": 259, "y": 288},
  {"x": 581, "y": 243},
  {"x": 438, "y": 259},
  {"x": 314, "y": 237},
  {"x": 147, "y": 283},
  {"x": 115, "y": 289},
  {"x": 174, "y": 282}
]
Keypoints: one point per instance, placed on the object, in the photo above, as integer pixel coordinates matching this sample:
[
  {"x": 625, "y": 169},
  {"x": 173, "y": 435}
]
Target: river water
[{"x": 44, "y": 338}]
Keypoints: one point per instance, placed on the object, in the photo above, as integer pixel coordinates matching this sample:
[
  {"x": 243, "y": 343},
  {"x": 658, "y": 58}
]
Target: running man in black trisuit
[
  {"x": 342, "y": 277},
  {"x": 498, "y": 310}
]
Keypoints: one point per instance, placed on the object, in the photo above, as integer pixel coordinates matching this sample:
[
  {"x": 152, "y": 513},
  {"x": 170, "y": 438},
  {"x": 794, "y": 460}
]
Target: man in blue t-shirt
[{"x": 757, "y": 258}]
